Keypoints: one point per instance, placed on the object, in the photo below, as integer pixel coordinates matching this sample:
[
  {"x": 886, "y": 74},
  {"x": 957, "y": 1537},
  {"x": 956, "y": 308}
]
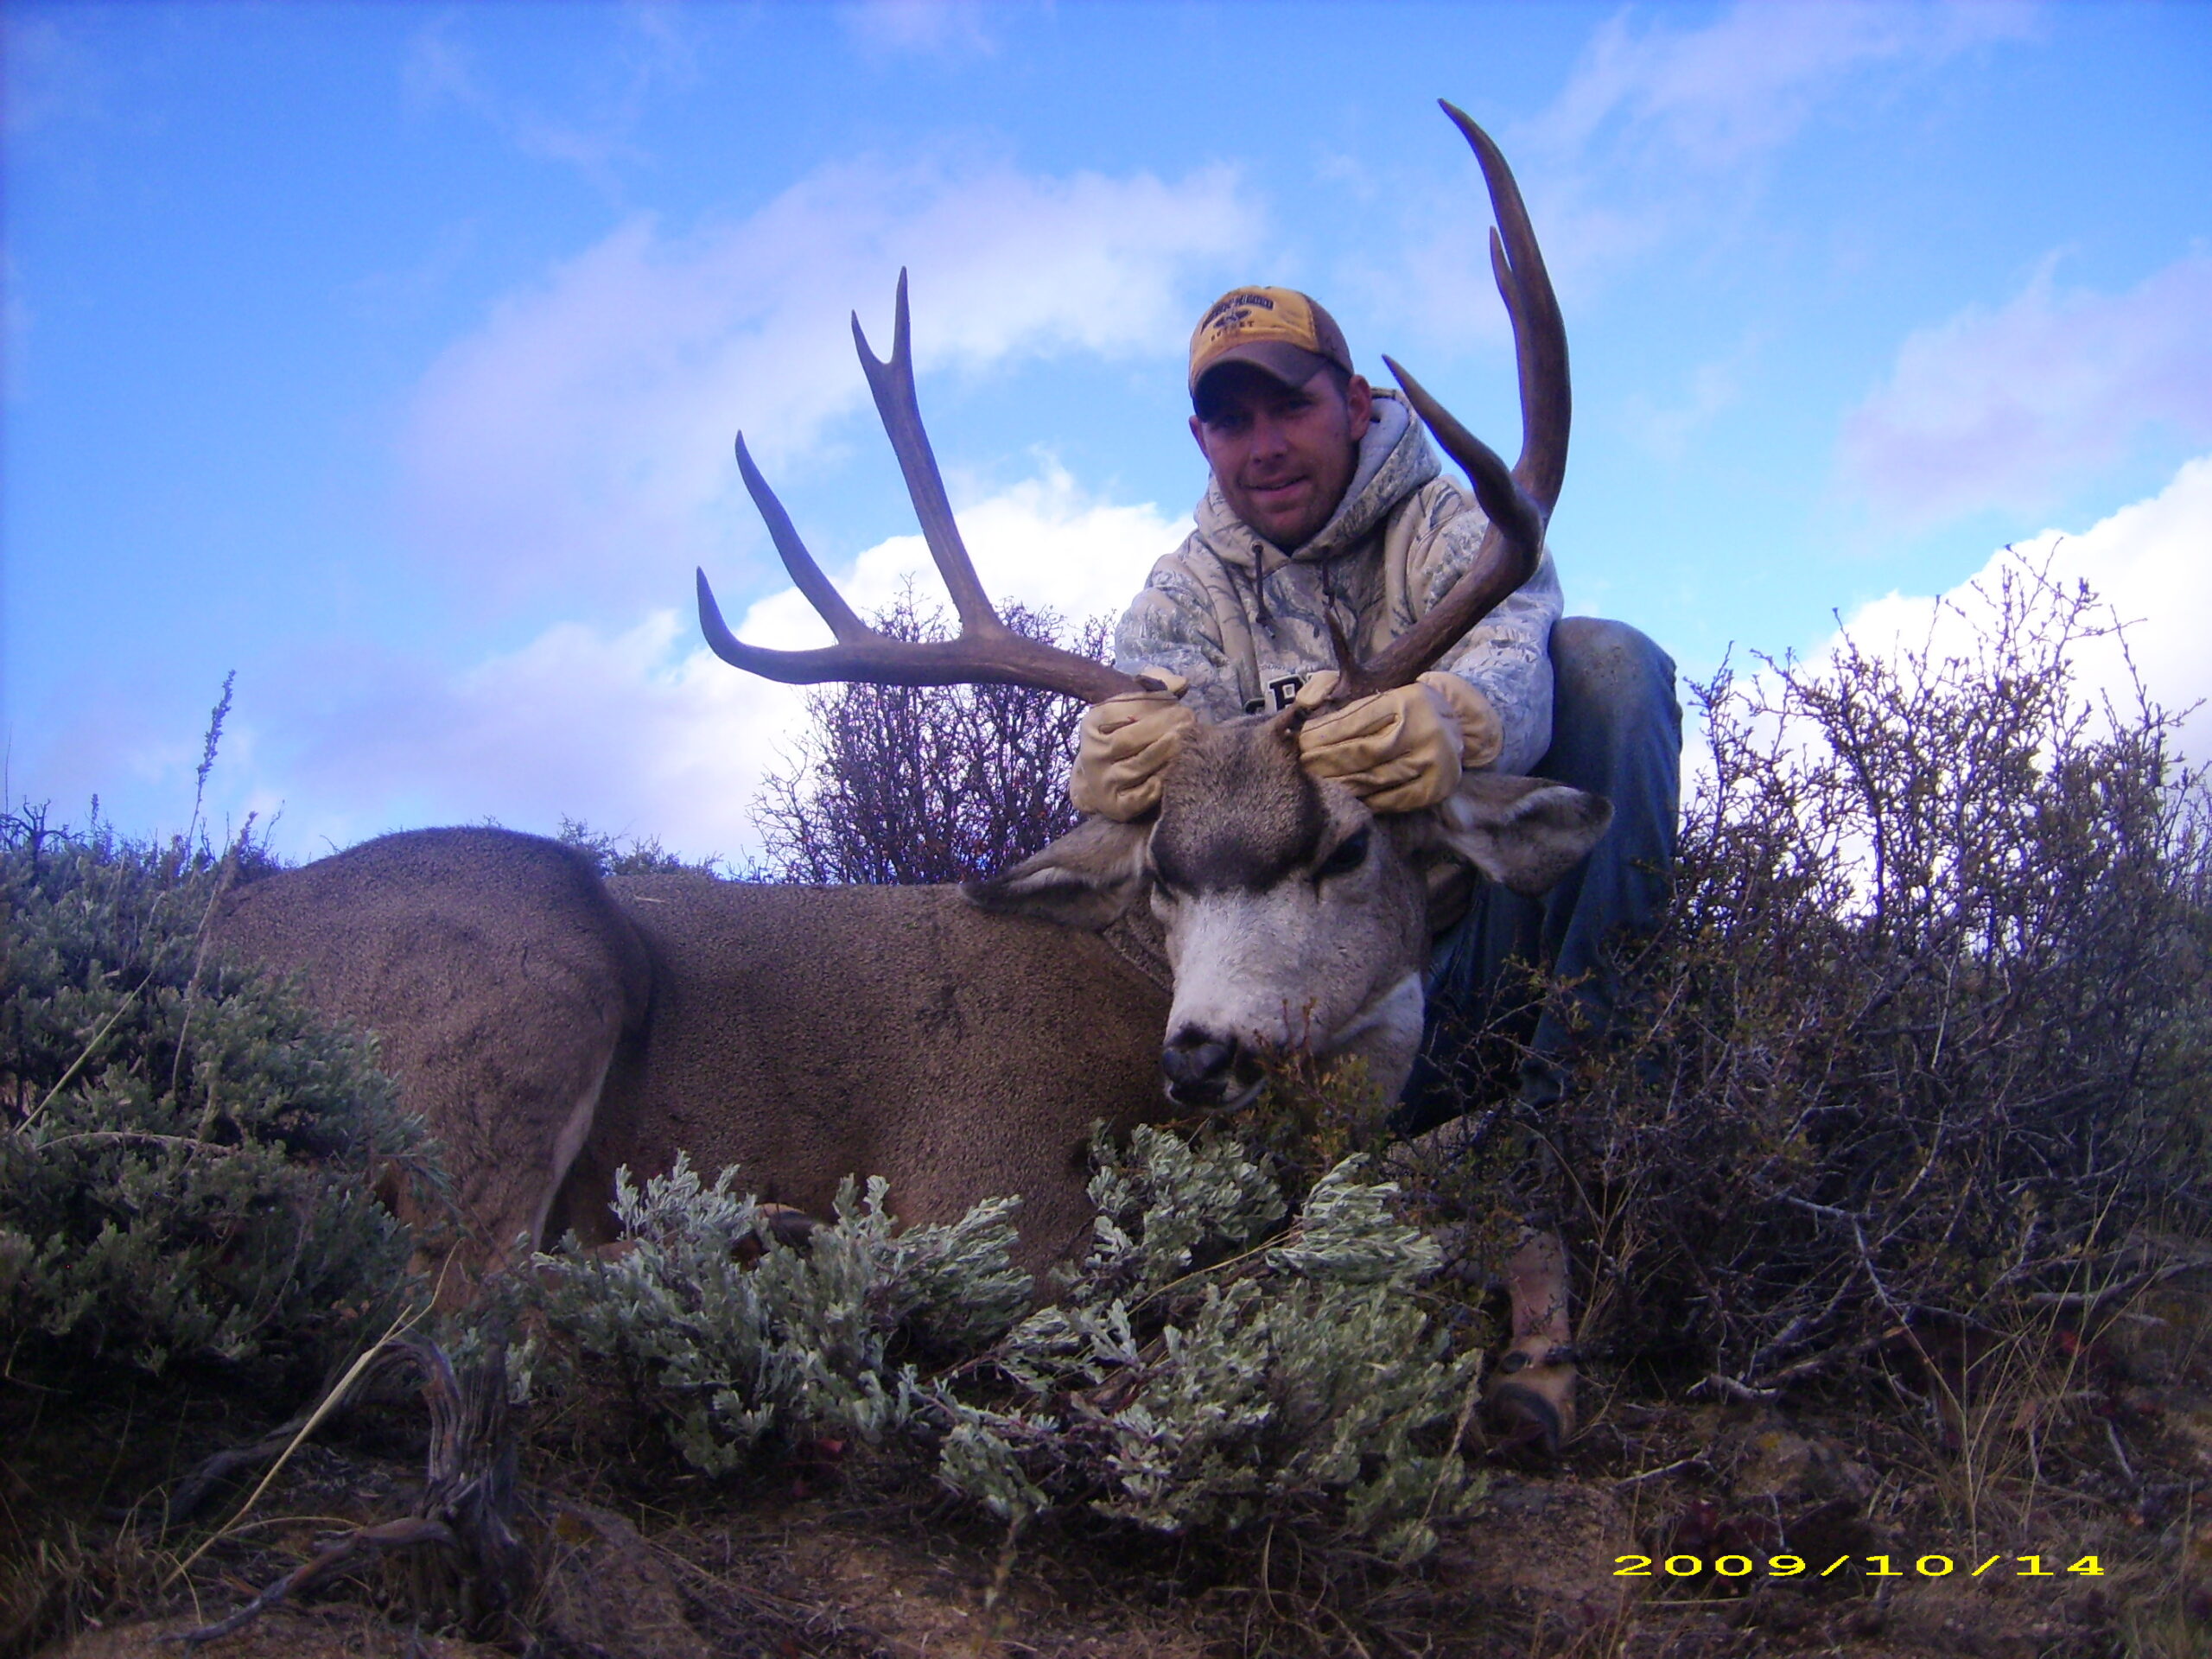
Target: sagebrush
[
  {"x": 1924, "y": 1040},
  {"x": 740, "y": 1336},
  {"x": 1213, "y": 1361},
  {"x": 186, "y": 1150}
]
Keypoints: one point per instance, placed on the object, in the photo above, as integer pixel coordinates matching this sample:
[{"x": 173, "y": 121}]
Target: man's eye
[{"x": 1350, "y": 855}]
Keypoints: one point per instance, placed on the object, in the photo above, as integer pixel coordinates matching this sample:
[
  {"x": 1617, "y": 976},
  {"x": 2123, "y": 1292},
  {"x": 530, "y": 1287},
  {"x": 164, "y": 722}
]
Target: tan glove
[
  {"x": 1401, "y": 749},
  {"x": 1123, "y": 746},
  {"x": 1482, "y": 735}
]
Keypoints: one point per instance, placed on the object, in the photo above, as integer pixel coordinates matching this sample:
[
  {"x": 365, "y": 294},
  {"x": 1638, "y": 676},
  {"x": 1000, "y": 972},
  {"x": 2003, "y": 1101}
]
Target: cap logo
[
  {"x": 1220, "y": 318},
  {"x": 1247, "y": 321}
]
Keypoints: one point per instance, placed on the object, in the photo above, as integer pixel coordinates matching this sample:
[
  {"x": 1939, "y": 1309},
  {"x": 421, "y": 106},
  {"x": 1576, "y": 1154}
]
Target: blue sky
[{"x": 391, "y": 354}]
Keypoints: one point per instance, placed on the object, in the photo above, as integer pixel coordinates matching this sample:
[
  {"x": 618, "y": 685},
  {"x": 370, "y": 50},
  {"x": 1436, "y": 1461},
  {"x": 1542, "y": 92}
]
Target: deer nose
[{"x": 1198, "y": 1067}]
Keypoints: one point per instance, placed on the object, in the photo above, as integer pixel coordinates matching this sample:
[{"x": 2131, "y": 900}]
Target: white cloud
[
  {"x": 1745, "y": 83},
  {"x": 52, "y": 76},
  {"x": 1662, "y": 134},
  {"x": 1043, "y": 542},
  {"x": 2148, "y": 567},
  {"x": 941, "y": 28},
  {"x": 2009, "y": 408},
  {"x": 579, "y": 440},
  {"x": 1666, "y": 430},
  {"x": 650, "y": 49},
  {"x": 2150, "y": 562},
  {"x": 642, "y": 731}
]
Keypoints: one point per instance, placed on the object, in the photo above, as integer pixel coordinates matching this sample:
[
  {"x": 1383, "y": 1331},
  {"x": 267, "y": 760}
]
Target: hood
[{"x": 1395, "y": 461}]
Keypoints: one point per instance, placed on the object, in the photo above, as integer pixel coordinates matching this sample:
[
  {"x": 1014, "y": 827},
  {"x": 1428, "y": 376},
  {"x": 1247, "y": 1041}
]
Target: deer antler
[
  {"x": 1519, "y": 501},
  {"x": 987, "y": 651}
]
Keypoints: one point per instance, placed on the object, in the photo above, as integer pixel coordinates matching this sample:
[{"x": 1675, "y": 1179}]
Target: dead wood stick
[{"x": 386, "y": 1534}]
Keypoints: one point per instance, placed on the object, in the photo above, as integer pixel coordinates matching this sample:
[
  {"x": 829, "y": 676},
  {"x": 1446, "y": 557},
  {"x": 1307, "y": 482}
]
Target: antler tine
[
  {"x": 893, "y": 383},
  {"x": 828, "y": 602},
  {"x": 987, "y": 651},
  {"x": 1519, "y": 502},
  {"x": 1539, "y": 335},
  {"x": 878, "y": 659}
]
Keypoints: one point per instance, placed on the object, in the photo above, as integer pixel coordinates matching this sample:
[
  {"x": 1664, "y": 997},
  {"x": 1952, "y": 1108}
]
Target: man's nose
[{"x": 1268, "y": 437}]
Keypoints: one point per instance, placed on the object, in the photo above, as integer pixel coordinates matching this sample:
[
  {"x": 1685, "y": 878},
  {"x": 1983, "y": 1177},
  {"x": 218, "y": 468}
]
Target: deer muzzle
[{"x": 1204, "y": 1069}]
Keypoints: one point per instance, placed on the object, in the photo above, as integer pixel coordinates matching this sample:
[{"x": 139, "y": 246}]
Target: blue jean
[{"x": 1616, "y": 731}]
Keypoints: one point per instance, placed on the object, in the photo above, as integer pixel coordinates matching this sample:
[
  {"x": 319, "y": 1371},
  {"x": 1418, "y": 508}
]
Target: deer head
[{"x": 1294, "y": 918}]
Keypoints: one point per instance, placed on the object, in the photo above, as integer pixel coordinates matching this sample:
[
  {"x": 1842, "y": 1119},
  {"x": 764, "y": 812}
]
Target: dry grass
[{"x": 2062, "y": 1442}]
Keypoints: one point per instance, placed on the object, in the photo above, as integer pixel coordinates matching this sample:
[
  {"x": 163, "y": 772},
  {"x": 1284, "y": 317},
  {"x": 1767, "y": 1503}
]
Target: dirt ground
[
  {"x": 1944, "y": 1515},
  {"x": 870, "y": 1561}
]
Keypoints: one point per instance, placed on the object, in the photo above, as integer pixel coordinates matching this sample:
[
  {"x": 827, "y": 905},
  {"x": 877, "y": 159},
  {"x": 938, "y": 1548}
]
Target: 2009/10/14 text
[{"x": 1878, "y": 1567}]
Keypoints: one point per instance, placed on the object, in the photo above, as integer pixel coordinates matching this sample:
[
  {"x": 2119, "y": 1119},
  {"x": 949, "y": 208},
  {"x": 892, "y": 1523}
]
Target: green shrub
[
  {"x": 185, "y": 1150},
  {"x": 739, "y": 1336},
  {"x": 1207, "y": 1367},
  {"x": 1300, "y": 1379},
  {"x": 1924, "y": 1037},
  {"x": 614, "y": 854}
]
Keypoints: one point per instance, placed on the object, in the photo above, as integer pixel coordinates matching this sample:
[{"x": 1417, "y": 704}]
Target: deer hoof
[{"x": 1531, "y": 1399}]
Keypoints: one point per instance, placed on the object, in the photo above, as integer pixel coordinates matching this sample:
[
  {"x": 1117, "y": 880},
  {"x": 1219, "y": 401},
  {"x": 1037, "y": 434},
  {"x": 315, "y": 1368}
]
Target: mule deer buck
[{"x": 960, "y": 1041}]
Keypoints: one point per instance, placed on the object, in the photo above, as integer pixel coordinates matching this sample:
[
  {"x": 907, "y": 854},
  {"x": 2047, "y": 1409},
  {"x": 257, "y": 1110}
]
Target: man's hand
[
  {"x": 1401, "y": 749},
  {"x": 1126, "y": 742}
]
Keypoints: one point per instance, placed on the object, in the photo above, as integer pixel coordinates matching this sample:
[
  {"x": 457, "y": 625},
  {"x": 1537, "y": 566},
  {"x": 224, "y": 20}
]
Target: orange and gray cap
[{"x": 1277, "y": 330}]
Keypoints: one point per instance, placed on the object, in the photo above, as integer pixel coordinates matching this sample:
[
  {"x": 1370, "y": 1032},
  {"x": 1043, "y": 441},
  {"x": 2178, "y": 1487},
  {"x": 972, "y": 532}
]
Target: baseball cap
[{"x": 1279, "y": 331}]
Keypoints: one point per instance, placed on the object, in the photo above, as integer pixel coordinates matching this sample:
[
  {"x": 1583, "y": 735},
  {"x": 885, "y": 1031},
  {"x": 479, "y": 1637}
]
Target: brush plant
[
  {"x": 1924, "y": 1040},
  {"x": 740, "y": 1337},
  {"x": 1212, "y": 1362},
  {"x": 186, "y": 1150}
]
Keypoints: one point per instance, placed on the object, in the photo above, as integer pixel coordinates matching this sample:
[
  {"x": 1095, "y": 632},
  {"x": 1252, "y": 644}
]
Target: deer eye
[{"x": 1350, "y": 852}]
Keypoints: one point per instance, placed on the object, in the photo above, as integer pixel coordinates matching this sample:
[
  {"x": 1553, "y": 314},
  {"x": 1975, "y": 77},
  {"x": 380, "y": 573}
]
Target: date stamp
[{"x": 1871, "y": 1566}]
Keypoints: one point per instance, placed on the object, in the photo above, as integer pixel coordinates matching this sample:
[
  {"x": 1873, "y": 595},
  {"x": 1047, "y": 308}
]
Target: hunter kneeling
[{"x": 1327, "y": 525}]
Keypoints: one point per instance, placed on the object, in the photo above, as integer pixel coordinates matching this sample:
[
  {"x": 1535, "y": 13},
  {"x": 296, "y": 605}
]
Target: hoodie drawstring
[{"x": 1259, "y": 585}]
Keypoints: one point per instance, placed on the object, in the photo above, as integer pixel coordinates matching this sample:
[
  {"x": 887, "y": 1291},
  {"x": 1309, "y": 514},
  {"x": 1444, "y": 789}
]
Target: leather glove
[
  {"x": 1401, "y": 749},
  {"x": 1482, "y": 735},
  {"x": 1124, "y": 744}
]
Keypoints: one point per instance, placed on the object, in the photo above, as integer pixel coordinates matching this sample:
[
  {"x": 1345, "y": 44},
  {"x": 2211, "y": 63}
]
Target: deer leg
[{"x": 1532, "y": 1398}]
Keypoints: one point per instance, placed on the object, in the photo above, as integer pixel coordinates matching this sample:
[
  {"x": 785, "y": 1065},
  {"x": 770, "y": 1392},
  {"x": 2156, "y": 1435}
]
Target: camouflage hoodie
[{"x": 1246, "y": 622}]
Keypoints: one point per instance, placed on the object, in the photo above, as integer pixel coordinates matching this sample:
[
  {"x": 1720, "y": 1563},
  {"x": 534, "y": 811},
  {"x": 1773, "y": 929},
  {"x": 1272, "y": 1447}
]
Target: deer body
[
  {"x": 500, "y": 980},
  {"x": 811, "y": 1033},
  {"x": 552, "y": 1028}
]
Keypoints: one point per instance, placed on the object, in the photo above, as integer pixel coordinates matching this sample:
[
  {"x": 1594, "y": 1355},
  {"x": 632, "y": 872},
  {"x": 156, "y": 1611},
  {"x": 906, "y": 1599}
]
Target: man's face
[{"x": 1282, "y": 455}]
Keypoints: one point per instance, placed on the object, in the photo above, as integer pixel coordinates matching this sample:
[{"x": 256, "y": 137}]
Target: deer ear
[
  {"x": 1084, "y": 879},
  {"x": 1523, "y": 833}
]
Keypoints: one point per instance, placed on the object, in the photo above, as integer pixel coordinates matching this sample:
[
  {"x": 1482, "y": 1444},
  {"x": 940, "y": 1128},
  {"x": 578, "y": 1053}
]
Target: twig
[
  {"x": 389, "y": 1534},
  {"x": 1832, "y": 1213},
  {"x": 224, "y": 878},
  {"x": 87, "y": 1054},
  {"x": 1735, "y": 1390},
  {"x": 192, "y": 1490},
  {"x": 1459, "y": 1434},
  {"x": 196, "y": 1144},
  {"x": 1287, "y": 1236},
  {"x": 466, "y": 1500},
  {"x": 2119, "y": 1454},
  {"x": 2127, "y": 1286},
  {"x": 330, "y": 1402},
  {"x": 1695, "y": 1458},
  {"x": 800, "y": 1615},
  {"x": 1822, "y": 1361}
]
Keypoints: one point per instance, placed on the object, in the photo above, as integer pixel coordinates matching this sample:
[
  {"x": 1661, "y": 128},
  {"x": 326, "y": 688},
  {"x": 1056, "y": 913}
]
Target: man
[{"x": 1325, "y": 500}]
